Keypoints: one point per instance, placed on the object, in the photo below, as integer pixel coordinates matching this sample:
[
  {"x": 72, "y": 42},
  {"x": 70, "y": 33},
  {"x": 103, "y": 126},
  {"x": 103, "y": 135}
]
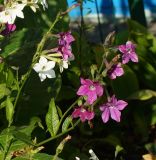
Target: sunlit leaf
[
  {"x": 66, "y": 123},
  {"x": 52, "y": 118}
]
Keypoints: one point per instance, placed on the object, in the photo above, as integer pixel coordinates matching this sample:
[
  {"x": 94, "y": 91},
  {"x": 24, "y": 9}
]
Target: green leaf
[
  {"x": 34, "y": 122},
  {"x": 66, "y": 123},
  {"x": 9, "y": 110},
  {"x": 4, "y": 91},
  {"x": 52, "y": 118},
  {"x": 143, "y": 94},
  {"x": 126, "y": 85},
  {"x": 22, "y": 137}
]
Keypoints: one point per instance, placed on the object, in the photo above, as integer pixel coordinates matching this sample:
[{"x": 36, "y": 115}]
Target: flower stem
[{"x": 59, "y": 135}]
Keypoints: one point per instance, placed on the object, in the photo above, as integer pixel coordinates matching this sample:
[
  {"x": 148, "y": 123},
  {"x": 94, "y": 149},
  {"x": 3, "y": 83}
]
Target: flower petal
[
  {"x": 37, "y": 67},
  {"x": 120, "y": 104},
  {"x": 42, "y": 76},
  {"x": 49, "y": 65},
  {"x": 50, "y": 73},
  {"x": 115, "y": 113},
  {"x": 105, "y": 115},
  {"x": 43, "y": 60}
]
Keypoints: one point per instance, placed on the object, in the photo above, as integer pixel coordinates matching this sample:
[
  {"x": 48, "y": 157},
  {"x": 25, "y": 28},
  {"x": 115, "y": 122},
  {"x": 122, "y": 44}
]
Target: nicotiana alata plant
[{"x": 93, "y": 93}]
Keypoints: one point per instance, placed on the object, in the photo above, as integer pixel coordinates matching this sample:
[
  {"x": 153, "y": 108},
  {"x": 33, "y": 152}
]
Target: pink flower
[
  {"x": 90, "y": 89},
  {"x": 115, "y": 71},
  {"x": 129, "y": 53},
  {"x": 112, "y": 109},
  {"x": 64, "y": 42},
  {"x": 8, "y": 29},
  {"x": 83, "y": 114},
  {"x": 65, "y": 38}
]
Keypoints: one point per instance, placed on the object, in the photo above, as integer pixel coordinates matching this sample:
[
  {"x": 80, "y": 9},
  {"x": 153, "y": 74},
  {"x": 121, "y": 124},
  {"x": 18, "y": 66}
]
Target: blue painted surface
[{"x": 117, "y": 8}]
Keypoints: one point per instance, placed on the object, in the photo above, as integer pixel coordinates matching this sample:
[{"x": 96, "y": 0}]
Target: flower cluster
[
  {"x": 128, "y": 54},
  {"x": 14, "y": 9},
  {"x": 61, "y": 57},
  {"x": 91, "y": 90}
]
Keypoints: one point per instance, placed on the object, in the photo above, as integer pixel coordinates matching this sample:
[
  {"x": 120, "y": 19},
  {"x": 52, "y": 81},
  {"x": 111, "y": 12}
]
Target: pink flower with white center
[
  {"x": 83, "y": 114},
  {"x": 92, "y": 90},
  {"x": 112, "y": 109},
  {"x": 129, "y": 53},
  {"x": 115, "y": 71}
]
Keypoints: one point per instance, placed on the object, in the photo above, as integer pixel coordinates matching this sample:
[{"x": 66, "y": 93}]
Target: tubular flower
[
  {"x": 128, "y": 52},
  {"x": 112, "y": 109},
  {"x": 90, "y": 89}
]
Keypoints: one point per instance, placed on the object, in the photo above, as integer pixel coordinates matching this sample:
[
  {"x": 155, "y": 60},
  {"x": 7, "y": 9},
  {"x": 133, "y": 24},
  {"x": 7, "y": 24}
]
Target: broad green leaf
[
  {"x": 4, "y": 91},
  {"x": 34, "y": 122},
  {"x": 125, "y": 85},
  {"x": 143, "y": 94},
  {"x": 66, "y": 123},
  {"x": 10, "y": 78},
  {"x": 52, "y": 118},
  {"x": 9, "y": 110},
  {"x": 22, "y": 137}
]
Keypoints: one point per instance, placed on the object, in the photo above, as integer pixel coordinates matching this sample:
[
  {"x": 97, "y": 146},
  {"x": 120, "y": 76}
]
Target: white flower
[
  {"x": 9, "y": 14},
  {"x": 44, "y": 4},
  {"x": 77, "y": 158},
  {"x": 63, "y": 64},
  {"x": 32, "y": 4},
  {"x": 45, "y": 68}
]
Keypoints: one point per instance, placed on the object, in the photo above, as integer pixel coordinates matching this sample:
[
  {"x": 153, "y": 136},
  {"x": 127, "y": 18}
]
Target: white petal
[
  {"x": 49, "y": 65},
  {"x": 20, "y": 14},
  {"x": 50, "y": 74},
  {"x": 65, "y": 64},
  {"x": 37, "y": 67},
  {"x": 42, "y": 76},
  {"x": 61, "y": 69},
  {"x": 43, "y": 60}
]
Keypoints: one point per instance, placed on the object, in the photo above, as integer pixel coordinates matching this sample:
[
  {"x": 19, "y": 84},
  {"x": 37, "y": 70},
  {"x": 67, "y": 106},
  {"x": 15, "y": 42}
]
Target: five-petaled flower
[
  {"x": 90, "y": 89},
  {"x": 83, "y": 113},
  {"x": 128, "y": 52},
  {"x": 10, "y": 13},
  {"x": 45, "y": 68},
  {"x": 115, "y": 71},
  {"x": 112, "y": 109}
]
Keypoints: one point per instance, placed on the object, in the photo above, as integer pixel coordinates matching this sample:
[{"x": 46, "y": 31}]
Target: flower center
[
  {"x": 83, "y": 110},
  {"x": 43, "y": 68},
  {"x": 92, "y": 88}
]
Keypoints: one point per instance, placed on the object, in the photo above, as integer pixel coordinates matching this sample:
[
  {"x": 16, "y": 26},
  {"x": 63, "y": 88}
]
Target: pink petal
[
  {"x": 91, "y": 97},
  {"x": 83, "y": 90},
  {"x": 99, "y": 90},
  {"x": 134, "y": 57},
  {"x": 120, "y": 105},
  {"x": 105, "y": 115},
  {"x": 76, "y": 113},
  {"x": 122, "y": 48},
  {"x": 89, "y": 115},
  {"x": 115, "y": 114}
]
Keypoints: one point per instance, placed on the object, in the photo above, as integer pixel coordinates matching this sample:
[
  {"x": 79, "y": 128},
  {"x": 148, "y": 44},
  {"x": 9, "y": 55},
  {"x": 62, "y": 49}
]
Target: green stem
[
  {"x": 65, "y": 113},
  {"x": 35, "y": 58},
  {"x": 59, "y": 135}
]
